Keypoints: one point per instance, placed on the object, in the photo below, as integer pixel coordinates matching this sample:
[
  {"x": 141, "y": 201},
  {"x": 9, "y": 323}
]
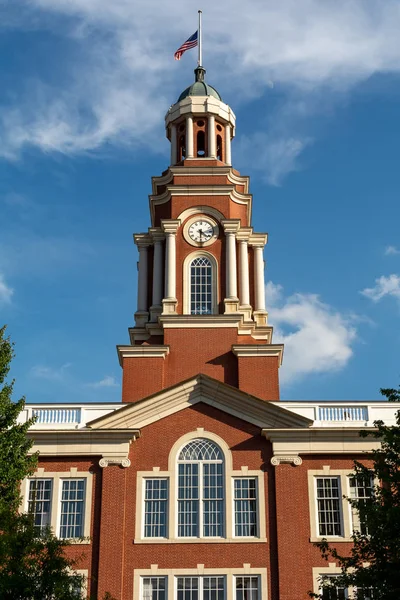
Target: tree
[
  {"x": 32, "y": 566},
  {"x": 372, "y": 568}
]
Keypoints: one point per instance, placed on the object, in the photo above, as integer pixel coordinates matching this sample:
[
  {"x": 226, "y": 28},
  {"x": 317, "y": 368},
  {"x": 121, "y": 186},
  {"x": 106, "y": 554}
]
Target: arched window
[
  {"x": 200, "y": 490},
  {"x": 201, "y": 286}
]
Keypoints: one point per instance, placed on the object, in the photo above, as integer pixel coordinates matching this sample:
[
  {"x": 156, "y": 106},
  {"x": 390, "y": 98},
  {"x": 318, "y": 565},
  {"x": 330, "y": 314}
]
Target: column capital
[
  {"x": 292, "y": 459},
  {"x": 142, "y": 240},
  {"x": 244, "y": 233},
  {"x": 170, "y": 225},
  {"x": 258, "y": 240},
  {"x": 157, "y": 234},
  {"x": 122, "y": 461},
  {"x": 231, "y": 225}
]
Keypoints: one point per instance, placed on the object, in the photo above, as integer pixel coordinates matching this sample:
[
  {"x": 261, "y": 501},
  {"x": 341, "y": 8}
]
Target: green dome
[{"x": 199, "y": 87}]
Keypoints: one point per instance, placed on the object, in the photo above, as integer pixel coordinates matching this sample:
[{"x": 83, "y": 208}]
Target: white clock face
[{"x": 201, "y": 231}]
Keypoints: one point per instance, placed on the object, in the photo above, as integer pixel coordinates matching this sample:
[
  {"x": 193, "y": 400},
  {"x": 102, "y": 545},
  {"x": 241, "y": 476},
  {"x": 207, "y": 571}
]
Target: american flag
[{"x": 190, "y": 43}]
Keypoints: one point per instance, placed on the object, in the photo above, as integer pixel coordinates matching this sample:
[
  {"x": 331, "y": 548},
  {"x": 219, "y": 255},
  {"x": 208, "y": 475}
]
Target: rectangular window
[
  {"x": 245, "y": 500},
  {"x": 188, "y": 500},
  {"x": 328, "y": 505},
  {"x": 154, "y": 588},
  {"x": 39, "y": 501},
  {"x": 247, "y": 588},
  {"x": 155, "y": 508},
  {"x": 72, "y": 508},
  {"x": 361, "y": 489},
  {"x": 201, "y": 588},
  {"x": 334, "y": 592}
]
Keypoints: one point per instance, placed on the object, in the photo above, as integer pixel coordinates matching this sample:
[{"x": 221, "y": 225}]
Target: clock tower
[{"x": 201, "y": 301}]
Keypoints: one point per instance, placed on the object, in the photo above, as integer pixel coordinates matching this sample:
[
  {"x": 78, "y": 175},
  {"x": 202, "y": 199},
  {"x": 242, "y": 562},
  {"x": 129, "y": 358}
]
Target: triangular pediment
[{"x": 200, "y": 389}]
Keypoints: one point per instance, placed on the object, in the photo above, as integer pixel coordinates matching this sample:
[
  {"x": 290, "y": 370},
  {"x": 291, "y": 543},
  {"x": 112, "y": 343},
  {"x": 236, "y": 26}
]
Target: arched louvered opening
[
  {"x": 201, "y": 282},
  {"x": 219, "y": 147},
  {"x": 201, "y": 144},
  {"x": 200, "y": 490}
]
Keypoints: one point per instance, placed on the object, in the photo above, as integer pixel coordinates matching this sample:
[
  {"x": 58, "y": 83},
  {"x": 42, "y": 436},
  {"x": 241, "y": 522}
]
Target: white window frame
[
  {"x": 327, "y": 499},
  {"x": 331, "y": 571},
  {"x": 59, "y": 506},
  {"x": 153, "y": 577},
  {"x": 58, "y": 477},
  {"x": 236, "y": 577},
  {"x": 201, "y": 583},
  {"x": 143, "y": 496},
  {"x": 29, "y": 483},
  {"x": 199, "y": 571},
  {"x": 255, "y": 478},
  {"x": 171, "y": 475},
  {"x": 187, "y": 281}
]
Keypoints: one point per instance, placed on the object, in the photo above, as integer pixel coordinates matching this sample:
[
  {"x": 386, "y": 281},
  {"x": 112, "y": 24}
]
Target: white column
[
  {"x": 157, "y": 273},
  {"x": 228, "y": 156},
  {"x": 212, "y": 150},
  {"x": 174, "y": 147},
  {"x": 189, "y": 137},
  {"x": 259, "y": 278},
  {"x": 230, "y": 228},
  {"x": 169, "y": 302},
  {"x": 142, "y": 280},
  {"x": 244, "y": 273}
]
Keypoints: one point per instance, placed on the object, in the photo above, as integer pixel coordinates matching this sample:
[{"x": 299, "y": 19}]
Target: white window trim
[
  {"x": 58, "y": 478},
  {"x": 348, "y": 494},
  {"x": 171, "y": 474},
  {"x": 186, "y": 280},
  {"x": 143, "y": 499},
  {"x": 331, "y": 569},
  {"x": 200, "y": 571},
  {"x": 248, "y": 475}
]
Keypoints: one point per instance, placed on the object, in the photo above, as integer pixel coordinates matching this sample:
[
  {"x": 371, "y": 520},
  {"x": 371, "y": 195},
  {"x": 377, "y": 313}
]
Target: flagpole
[{"x": 200, "y": 57}]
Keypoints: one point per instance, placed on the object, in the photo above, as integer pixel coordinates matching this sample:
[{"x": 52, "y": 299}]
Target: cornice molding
[
  {"x": 319, "y": 440},
  {"x": 84, "y": 442},
  {"x": 141, "y": 352},
  {"x": 252, "y": 350},
  {"x": 231, "y": 225},
  {"x": 201, "y": 389},
  {"x": 142, "y": 240},
  {"x": 199, "y": 321},
  {"x": 258, "y": 240},
  {"x": 170, "y": 225}
]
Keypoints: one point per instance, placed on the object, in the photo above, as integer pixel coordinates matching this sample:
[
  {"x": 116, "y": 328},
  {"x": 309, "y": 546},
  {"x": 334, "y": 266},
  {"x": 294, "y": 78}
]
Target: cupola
[{"x": 200, "y": 125}]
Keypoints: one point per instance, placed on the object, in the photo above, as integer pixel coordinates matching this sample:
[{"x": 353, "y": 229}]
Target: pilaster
[
  {"x": 143, "y": 242},
  {"x": 170, "y": 302}
]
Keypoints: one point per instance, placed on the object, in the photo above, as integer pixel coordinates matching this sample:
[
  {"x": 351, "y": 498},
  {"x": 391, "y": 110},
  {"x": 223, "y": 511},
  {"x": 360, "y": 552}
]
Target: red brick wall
[
  {"x": 259, "y": 376},
  {"x": 141, "y": 377}
]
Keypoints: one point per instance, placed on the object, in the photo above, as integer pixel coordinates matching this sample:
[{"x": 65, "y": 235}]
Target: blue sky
[{"x": 315, "y": 88}]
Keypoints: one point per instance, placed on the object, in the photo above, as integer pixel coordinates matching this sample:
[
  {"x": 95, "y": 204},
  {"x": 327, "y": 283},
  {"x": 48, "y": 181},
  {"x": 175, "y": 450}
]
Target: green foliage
[
  {"x": 15, "y": 463},
  {"x": 374, "y": 559}
]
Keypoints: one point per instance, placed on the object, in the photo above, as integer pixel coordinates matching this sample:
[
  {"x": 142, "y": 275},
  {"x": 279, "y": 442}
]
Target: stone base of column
[
  {"x": 246, "y": 310},
  {"x": 141, "y": 318},
  {"x": 231, "y": 305},
  {"x": 155, "y": 312},
  {"x": 260, "y": 317},
  {"x": 169, "y": 306}
]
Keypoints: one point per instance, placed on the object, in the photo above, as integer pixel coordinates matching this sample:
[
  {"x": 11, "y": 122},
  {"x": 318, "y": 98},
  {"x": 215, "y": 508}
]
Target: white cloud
[
  {"x": 50, "y": 373},
  {"x": 385, "y": 286},
  {"x": 106, "y": 382},
  {"x": 124, "y": 79},
  {"x": 317, "y": 338},
  {"x": 391, "y": 251},
  {"x": 6, "y": 292}
]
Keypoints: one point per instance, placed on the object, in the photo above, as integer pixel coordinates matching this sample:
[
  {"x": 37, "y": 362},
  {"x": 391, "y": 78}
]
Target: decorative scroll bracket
[
  {"x": 277, "y": 460},
  {"x": 114, "y": 460}
]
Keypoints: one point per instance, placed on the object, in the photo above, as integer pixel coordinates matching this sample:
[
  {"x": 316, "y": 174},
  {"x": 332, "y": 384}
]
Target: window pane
[
  {"x": 200, "y": 449},
  {"x": 247, "y": 588},
  {"x": 328, "y": 503},
  {"x": 155, "y": 511},
  {"x": 39, "y": 501},
  {"x": 188, "y": 588},
  {"x": 334, "y": 592},
  {"x": 154, "y": 588},
  {"x": 213, "y": 506},
  {"x": 188, "y": 500},
  {"x": 72, "y": 508},
  {"x": 245, "y": 496},
  {"x": 361, "y": 489},
  {"x": 201, "y": 286},
  {"x": 213, "y": 588}
]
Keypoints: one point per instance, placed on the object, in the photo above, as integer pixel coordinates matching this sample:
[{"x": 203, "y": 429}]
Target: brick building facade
[{"x": 201, "y": 484}]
